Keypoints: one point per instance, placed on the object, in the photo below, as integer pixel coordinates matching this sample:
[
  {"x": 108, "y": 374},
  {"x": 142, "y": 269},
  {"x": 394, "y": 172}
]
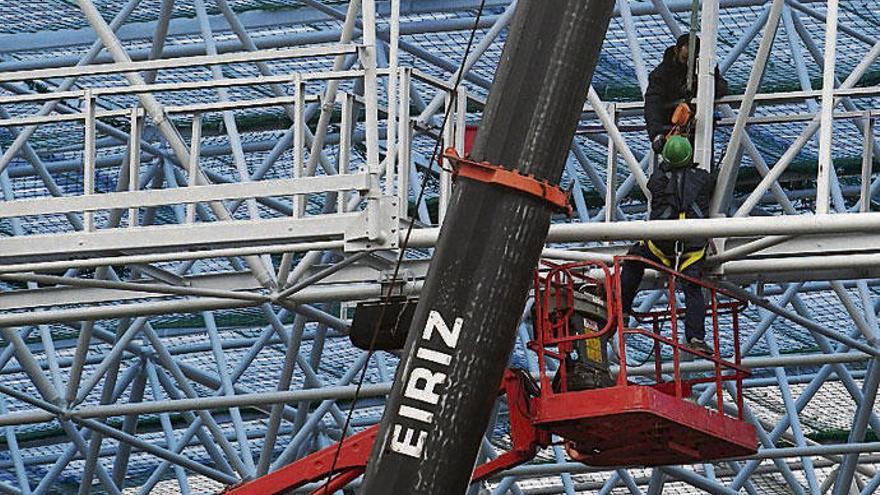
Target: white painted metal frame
[{"x": 321, "y": 262}]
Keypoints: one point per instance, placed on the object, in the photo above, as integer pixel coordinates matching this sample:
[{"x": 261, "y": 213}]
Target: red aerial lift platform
[{"x": 644, "y": 421}]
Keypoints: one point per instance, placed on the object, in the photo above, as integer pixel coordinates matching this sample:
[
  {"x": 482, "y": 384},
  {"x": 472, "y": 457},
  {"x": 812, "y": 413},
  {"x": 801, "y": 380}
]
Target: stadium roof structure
[{"x": 197, "y": 193}]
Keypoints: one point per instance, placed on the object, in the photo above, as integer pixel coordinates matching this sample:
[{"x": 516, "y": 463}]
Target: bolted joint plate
[{"x": 377, "y": 227}]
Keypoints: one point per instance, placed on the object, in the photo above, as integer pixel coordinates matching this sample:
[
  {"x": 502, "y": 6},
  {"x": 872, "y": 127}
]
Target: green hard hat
[{"x": 678, "y": 151}]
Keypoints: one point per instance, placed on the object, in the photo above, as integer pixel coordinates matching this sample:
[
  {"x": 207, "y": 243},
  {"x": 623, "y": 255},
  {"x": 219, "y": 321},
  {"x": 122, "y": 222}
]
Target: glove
[
  {"x": 658, "y": 143},
  {"x": 682, "y": 114}
]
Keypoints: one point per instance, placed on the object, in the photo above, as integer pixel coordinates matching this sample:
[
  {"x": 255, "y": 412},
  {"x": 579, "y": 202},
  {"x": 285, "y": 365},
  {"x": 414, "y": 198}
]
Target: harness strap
[{"x": 688, "y": 258}]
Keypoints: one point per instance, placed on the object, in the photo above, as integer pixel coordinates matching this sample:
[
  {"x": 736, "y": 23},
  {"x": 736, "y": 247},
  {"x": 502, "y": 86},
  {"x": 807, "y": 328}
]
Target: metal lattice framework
[{"x": 197, "y": 191}]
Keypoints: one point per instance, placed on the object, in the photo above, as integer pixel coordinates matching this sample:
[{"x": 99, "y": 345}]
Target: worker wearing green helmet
[
  {"x": 678, "y": 152},
  {"x": 678, "y": 188}
]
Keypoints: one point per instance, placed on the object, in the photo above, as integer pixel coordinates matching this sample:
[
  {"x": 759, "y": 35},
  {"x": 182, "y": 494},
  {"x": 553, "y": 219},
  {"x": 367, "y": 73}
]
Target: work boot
[{"x": 699, "y": 345}]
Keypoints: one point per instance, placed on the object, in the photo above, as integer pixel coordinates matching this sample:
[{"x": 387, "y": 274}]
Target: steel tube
[
  {"x": 349, "y": 375},
  {"x": 284, "y": 380},
  {"x": 727, "y": 173},
  {"x": 860, "y": 424},
  {"x": 129, "y": 427},
  {"x": 800, "y": 320},
  {"x": 694, "y": 228},
  {"x": 802, "y": 400},
  {"x": 823, "y": 176},
  {"x": 791, "y": 411},
  {"x": 765, "y": 268},
  {"x": 121, "y": 67},
  {"x": 15, "y": 453},
  {"x": 137, "y": 287},
  {"x": 703, "y": 134},
  {"x": 227, "y": 389},
  {"x": 176, "y": 256},
  {"x": 867, "y": 165},
  {"x": 168, "y": 362},
  {"x": 97, "y": 439}
]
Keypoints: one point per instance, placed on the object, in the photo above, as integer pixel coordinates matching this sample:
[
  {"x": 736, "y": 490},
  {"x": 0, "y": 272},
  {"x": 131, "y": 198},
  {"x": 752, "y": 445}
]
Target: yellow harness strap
[{"x": 688, "y": 258}]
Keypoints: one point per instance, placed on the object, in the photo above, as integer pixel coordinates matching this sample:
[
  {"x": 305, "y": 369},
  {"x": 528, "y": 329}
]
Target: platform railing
[
  {"x": 556, "y": 290},
  {"x": 554, "y": 339},
  {"x": 369, "y": 197},
  {"x": 725, "y": 369}
]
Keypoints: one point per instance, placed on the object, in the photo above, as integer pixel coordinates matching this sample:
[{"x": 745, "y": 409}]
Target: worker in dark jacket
[
  {"x": 667, "y": 87},
  {"x": 679, "y": 189}
]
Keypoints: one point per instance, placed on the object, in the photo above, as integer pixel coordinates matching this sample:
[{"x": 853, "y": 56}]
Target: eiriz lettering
[{"x": 422, "y": 382}]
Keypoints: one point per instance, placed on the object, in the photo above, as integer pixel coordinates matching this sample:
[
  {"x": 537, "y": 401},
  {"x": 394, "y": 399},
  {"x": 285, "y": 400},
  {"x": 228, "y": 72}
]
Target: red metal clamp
[{"x": 496, "y": 174}]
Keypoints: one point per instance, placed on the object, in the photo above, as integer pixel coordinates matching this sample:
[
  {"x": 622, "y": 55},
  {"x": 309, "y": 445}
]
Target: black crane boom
[{"x": 464, "y": 326}]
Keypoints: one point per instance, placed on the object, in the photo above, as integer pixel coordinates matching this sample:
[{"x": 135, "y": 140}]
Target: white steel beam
[
  {"x": 188, "y": 195},
  {"x": 694, "y": 228},
  {"x": 703, "y": 137},
  {"x": 826, "y": 123},
  {"x": 176, "y": 237},
  {"x": 59, "y": 296},
  {"x": 179, "y": 63}
]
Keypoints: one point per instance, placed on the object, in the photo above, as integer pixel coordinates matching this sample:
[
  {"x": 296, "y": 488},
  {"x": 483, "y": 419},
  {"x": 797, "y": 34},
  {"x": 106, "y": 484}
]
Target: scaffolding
[{"x": 196, "y": 194}]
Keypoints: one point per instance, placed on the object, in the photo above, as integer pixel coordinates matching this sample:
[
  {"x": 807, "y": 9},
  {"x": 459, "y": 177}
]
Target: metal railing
[{"x": 555, "y": 340}]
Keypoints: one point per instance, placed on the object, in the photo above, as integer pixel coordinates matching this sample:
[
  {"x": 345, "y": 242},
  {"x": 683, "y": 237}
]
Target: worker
[
  {"x": 667, "y": 87},
  {"x": 679, "y": 189}
]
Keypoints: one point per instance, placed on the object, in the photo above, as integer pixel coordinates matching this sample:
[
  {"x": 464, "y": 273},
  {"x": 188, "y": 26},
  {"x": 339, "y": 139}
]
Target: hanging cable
[
  {"x": 387, "y": 296},
  {"x": 692, "y": 45}
]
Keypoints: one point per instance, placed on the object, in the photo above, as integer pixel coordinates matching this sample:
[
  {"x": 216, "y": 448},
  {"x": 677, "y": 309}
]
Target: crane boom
[{"x": 465, "y": 323}]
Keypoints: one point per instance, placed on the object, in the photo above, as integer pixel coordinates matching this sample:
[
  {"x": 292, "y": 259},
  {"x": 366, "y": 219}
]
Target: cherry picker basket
[{"x": 644, "y": 416}]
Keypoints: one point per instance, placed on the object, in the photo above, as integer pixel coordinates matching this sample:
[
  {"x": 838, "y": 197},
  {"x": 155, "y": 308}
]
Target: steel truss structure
[{"x": 196, "y": 193}]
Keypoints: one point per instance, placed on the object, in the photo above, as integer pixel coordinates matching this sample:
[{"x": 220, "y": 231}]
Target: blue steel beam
[
  {"x": 769, "y": 442},
  {"x": 284, "y": 381},
  {"x": 71, "y": 451},
  {"x": 802, "y": 400},
  {"x": 167, "y": 428},
  {"x": 50, "y": 400},
  {"x": 788, "y": 402},
  {"x": 302, "y": 434},
  {"x": 252, "y": 20},
  {"x": 857, "y": 433},
  {"x": 129, "y": 426},
  {"x": 275, "y": 326},
  {"x": 97, "y": 438},
  {"x": 14, "y": 452}
]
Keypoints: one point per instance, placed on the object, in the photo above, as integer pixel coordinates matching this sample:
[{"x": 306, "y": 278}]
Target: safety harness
[{"x": 680, "y": 259}]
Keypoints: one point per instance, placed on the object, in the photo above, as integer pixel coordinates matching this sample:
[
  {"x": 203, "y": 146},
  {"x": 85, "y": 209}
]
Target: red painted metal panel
[
  {"x": 350, "y": 464},
  {"x": 639, "y": 425}
]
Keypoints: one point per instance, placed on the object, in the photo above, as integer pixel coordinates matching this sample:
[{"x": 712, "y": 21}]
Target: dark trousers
[{"x": 695, "y": 310}]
